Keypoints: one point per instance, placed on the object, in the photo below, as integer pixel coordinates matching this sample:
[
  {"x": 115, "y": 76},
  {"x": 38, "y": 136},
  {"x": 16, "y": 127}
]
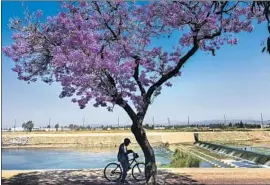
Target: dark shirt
[{"x": 123, "y": 153}]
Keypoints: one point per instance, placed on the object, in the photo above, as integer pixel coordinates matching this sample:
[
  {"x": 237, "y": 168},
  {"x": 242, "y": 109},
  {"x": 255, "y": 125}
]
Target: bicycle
[{"x": 113, "y": 171}]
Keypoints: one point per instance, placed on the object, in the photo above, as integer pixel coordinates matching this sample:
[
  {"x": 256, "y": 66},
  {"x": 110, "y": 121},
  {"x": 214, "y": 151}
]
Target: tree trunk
[{"x": 150, "y": 161}]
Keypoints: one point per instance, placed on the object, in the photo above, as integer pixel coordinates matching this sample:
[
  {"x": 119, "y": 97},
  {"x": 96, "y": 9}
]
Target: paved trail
[{"x": 165, "y": 176}]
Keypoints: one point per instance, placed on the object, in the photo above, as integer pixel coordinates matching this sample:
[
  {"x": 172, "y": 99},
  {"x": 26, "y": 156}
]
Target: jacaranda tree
[{"x": 103, "y": 51}]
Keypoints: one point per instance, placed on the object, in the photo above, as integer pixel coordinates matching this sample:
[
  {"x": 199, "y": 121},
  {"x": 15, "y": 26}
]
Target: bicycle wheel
[
  {"x": 138, "y": 171},
  {"x": 113, "y": 172}
]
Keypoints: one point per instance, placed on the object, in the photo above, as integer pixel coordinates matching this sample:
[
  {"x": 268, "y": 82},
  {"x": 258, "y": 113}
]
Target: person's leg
[{"x": 124, "y": 165}]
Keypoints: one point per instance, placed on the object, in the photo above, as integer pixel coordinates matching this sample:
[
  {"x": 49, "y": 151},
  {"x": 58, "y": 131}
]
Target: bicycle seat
[{"x": 135, "y": 155}]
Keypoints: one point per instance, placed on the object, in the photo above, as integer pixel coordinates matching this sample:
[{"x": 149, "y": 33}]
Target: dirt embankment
[
  {"x": 92, "y": 139},
  {"x": 235, "y": 136},
  {"x": 88, "y": 139}
]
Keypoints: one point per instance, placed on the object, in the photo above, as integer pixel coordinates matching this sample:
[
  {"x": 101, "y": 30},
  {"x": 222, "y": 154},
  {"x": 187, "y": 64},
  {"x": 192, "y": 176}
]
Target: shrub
[
  {"x": 183, "y": 159},
  {"x": 167, "y": 145}
]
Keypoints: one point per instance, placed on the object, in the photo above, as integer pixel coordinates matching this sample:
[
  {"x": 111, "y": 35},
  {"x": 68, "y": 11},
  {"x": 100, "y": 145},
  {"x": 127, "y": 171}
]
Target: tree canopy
[
  {"x": 29, "y": 125},
  {"x": 56, "y": 127},
  {"x": 101, "y": 51}
]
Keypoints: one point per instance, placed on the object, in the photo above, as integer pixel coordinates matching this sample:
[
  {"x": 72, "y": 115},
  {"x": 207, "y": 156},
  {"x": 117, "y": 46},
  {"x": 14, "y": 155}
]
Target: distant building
[
  {"x": 16, "y": 129},
  {"x": 50, "y": 129},
  {"x": 38, "y": 128},
  {"x": 64, "y": 129},
  {"x": 159, "y": 128},
  {"x": 98, "y": 128},
  {"x": 5, "y": 130},
  {"x": 267, "y": 125}
]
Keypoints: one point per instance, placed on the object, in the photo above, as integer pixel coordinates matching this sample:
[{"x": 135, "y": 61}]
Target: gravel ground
[{"x": 165, "y": 176}]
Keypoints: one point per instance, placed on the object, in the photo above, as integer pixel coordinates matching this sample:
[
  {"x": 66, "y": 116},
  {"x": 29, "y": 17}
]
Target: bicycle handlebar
[{"x": 135, "y": 156}]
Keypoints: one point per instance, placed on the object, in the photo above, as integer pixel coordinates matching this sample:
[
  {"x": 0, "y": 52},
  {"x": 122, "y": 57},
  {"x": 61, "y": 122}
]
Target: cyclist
[{"x": 123, "y": 158}]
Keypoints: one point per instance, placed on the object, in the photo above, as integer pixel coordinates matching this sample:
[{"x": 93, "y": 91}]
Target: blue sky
[{"x": 235, "y": 82}]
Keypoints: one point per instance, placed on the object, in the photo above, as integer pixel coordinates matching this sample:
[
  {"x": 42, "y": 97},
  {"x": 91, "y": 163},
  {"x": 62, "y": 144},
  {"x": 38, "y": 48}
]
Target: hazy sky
[{"x": 235, "y": 82}]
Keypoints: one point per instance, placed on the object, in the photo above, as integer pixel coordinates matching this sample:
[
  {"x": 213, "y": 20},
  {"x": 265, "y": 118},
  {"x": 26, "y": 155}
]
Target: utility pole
[
  {"x": 169, "y": 122},
  {"x": 224, "y": 119},
  {"x": 118, "y": 121},
  {"x": 15, "y": 125},
  {"x": 83, "y": 121},
  {"x": 262, "y": 121},
  {"x": 153, "y": 120},
  {"x": 188, "y": 121},
  {"x": 49, "y": 124}
]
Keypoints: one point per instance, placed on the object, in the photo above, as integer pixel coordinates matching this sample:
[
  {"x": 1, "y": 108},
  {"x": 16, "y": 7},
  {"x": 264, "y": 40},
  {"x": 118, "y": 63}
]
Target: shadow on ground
[{"x": 85, "y": 177}]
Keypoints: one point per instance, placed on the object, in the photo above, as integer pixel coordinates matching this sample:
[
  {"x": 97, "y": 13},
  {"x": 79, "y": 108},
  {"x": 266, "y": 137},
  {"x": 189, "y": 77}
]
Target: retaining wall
[
  {"x": 90, "y": 140},
  {"x": 234, "y": 136},
  {"x": 113, "y": 139}
]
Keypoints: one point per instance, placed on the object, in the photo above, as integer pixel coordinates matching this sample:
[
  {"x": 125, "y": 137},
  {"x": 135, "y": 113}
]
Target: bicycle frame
[
  {"x": 130, "y": 164},
  {"x": 132, "y": 160}
]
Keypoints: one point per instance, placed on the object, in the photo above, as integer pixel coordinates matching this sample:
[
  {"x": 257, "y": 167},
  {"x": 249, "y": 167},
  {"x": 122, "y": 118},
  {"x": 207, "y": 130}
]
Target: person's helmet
[{"x": 127, "y": 140}]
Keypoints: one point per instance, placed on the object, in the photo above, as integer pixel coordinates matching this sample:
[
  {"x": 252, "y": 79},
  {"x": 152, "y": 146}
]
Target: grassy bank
[{"x": 181, "y": 159}]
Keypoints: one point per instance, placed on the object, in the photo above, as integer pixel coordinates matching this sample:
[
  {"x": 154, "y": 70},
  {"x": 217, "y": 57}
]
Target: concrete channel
[
  {"x": 210, "y": 159},
  {"x": 234, "y": 161},
  {"x": 228, "y": 161}
]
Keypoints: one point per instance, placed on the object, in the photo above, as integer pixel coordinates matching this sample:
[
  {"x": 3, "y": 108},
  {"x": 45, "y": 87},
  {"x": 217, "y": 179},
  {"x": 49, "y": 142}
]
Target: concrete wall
[{"x": 113, "y": 139}]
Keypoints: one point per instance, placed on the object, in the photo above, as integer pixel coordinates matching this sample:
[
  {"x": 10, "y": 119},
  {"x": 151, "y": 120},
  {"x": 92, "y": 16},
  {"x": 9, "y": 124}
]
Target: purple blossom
[
  {"x": 39, "y": 13},
  {"x": 169, "y": 84},
  {"x": 233, "y": 41},
  {"x": 94, "y": 56}
]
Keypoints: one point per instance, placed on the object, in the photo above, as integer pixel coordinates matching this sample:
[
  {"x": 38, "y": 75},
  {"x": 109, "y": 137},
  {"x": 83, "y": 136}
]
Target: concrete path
[{"x": 170, "y": 176}]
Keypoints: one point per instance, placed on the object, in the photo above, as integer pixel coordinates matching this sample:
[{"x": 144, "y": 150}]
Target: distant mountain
[
  {"x": 203, "y": 122},
  {"x": 248, "y": 121},
  {"x": 207, "y": 122}
]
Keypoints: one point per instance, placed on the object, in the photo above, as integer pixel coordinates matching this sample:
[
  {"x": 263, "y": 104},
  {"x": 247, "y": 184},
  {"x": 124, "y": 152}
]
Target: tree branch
[
  {"x": 106, "y": 23},
  {"x": 172, "y": 73},
  {"x": 181, "y": 62},
  {"x": 213, "y": 35},
  {"x": 136, "y": 75},
  {"x": 119, "y": 99}
]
